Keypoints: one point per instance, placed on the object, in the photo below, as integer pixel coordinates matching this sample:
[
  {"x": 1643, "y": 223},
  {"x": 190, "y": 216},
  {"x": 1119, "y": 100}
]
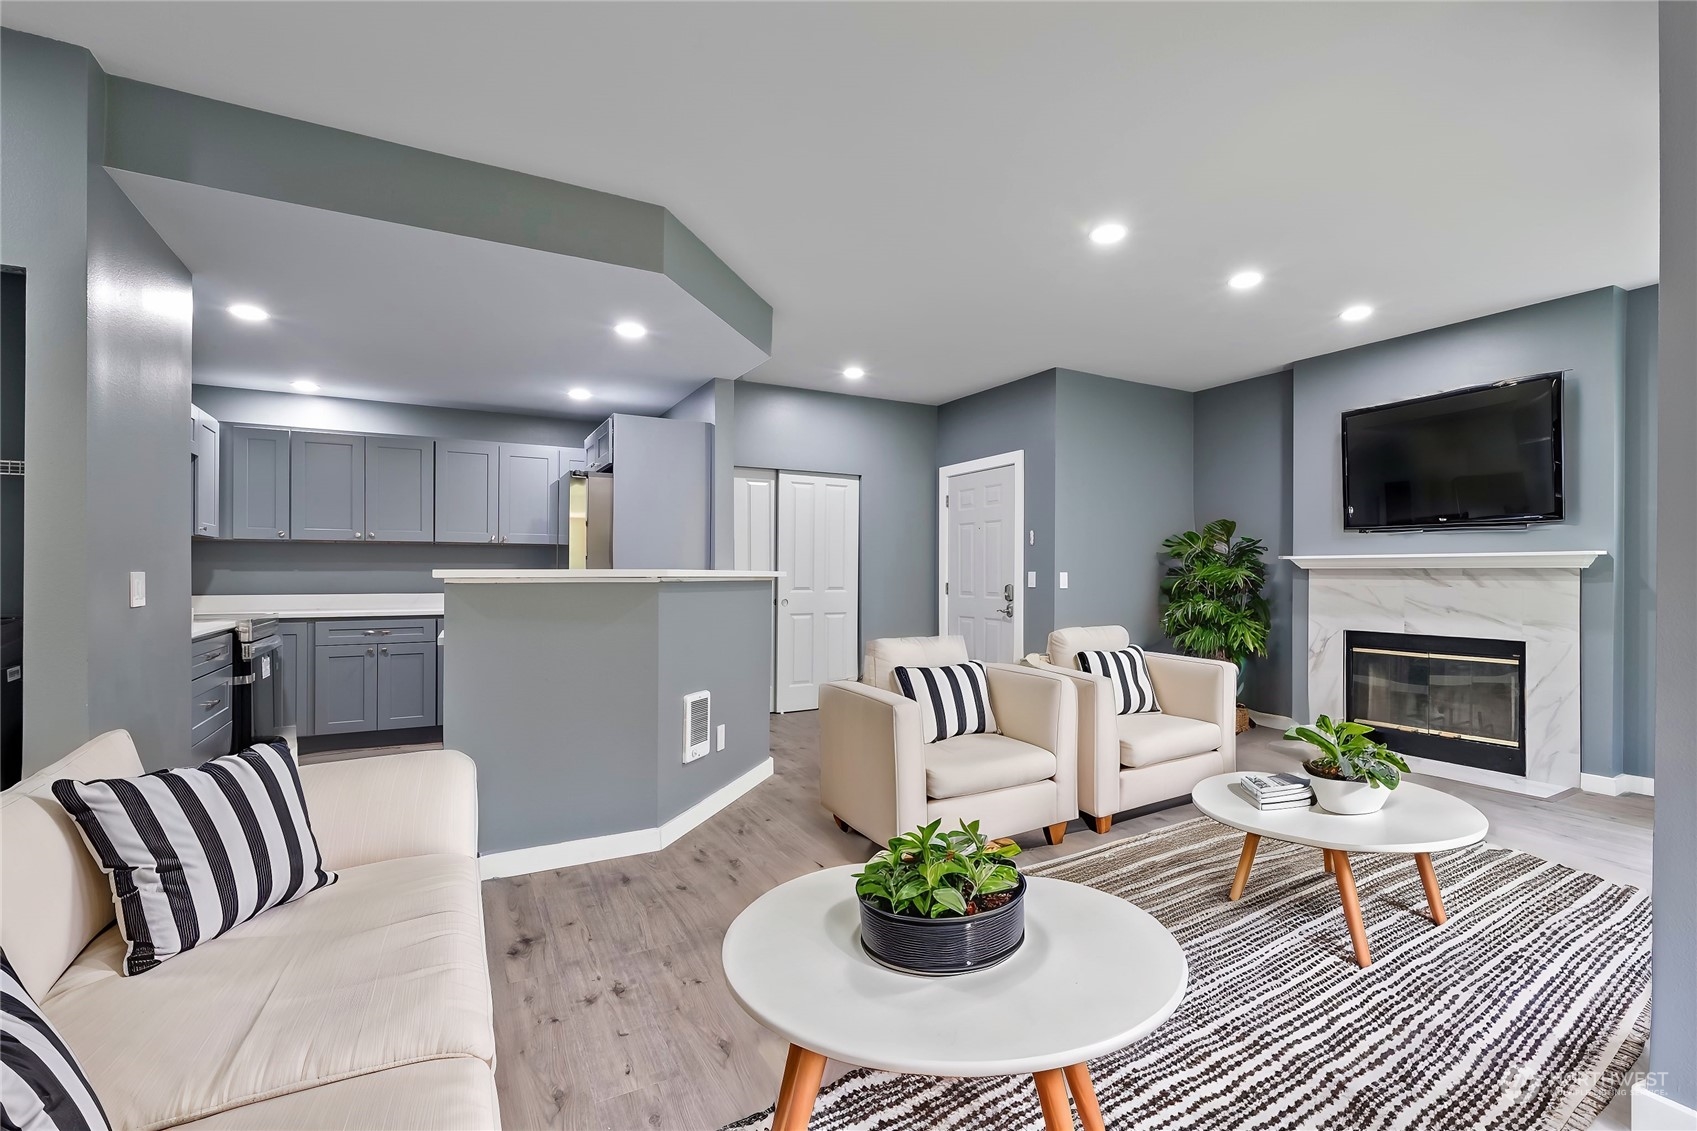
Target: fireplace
[{"x": 1450, "y": 698}]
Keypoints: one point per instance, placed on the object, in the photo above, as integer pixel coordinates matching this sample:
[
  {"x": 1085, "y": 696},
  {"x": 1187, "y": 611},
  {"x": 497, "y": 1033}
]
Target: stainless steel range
[{"x": 255, "y": 664}]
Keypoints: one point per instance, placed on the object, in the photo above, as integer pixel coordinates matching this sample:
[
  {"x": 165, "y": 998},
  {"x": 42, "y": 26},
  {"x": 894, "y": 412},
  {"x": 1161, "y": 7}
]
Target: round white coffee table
[
  {"x": 1416, "y": 821},
  {"x": 1094, "y": 974}
]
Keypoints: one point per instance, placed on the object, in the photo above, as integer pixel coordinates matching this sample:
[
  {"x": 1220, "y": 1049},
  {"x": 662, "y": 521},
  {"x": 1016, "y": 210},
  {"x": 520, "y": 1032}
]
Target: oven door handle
[{"x": 258, "y": 648}]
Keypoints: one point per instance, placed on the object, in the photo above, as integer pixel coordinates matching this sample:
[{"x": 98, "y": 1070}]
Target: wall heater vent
[{"x": 698, "y": 724}]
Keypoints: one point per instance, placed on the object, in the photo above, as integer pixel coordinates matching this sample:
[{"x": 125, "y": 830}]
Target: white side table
[
  {"x": 1094, "y": 974},
  {"x": 1416, "y": 821}
]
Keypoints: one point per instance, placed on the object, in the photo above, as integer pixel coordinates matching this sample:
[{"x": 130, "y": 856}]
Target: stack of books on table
[{"x": 1277, "y": 791}]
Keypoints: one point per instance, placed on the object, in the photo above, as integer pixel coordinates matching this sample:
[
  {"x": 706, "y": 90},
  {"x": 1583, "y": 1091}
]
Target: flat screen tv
[{"x": 1490, "y": 455}]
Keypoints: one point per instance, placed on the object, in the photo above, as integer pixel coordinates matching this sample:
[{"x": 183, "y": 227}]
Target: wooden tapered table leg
[
  {"x": 1330, "y": 867},
  {"x": 803, "y": 1072},
  {"x": 1429, "y": 879},
  {"x": 1052, "y": 1095},
  {"x": 1351, "y": 908},
  {"x": 1244, "y": 860},
  {"x": 1084, "y": 1095}
]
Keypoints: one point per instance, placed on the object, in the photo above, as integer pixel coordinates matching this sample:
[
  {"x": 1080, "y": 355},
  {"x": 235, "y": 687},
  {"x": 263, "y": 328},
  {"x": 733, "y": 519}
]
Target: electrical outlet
[
  {"x": 721, "y": 737},
  {"x": 1063, "y": 579},
  {"x": 138, "y": 589},
  {"x": 1031, "y": 580}
]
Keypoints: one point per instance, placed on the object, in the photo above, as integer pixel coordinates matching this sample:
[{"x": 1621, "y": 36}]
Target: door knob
[
  {"x": 1008, "y": 612},
  {"x": 1007, "y": 592},
  {"x": 785, "y": 602}
]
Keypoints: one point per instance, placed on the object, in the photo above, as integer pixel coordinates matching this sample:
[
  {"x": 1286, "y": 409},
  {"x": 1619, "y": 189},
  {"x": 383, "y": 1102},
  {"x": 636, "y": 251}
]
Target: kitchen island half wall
[{"x": 568, "y": 687}]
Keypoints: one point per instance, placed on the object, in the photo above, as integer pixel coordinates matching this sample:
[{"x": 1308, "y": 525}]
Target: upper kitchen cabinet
[
  {"x": 203, "y": 464},
  {"x": 400, "y": 489},
  {"x": 256, "y": 501},
  {"x": 530, "y": 477},
  {"x": 468, "y": 491},
  {"x": 326, "y": 487}
]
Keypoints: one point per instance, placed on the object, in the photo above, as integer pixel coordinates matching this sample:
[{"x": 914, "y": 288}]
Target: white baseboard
[
  {"x": 1277, "y": 722},
  {"x": 1617, "y": 784},
  {"x": 542, "y": 857},
  {"x": 1653, "y": 1112}
]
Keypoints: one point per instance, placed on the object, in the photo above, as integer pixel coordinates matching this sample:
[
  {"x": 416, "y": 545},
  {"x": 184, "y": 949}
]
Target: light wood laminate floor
[{"x": 610, "y": 1008}]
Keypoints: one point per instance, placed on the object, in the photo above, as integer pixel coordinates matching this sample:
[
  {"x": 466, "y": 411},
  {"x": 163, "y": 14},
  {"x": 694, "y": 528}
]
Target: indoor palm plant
[
  {"x": 941, "y": 902},
  {"x": 1351, "y": 773},
  {"x": 1212, "y": 603}
]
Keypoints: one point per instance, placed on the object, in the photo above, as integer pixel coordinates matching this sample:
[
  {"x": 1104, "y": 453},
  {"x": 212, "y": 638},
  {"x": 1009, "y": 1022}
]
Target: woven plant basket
[{"x": 1243, "y": 720}]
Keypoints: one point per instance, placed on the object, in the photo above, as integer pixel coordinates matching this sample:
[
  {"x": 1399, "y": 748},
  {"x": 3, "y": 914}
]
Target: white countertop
[
  {"x": 312, "y": 606},
  {"x": 209, "y": 626},
  {"x": 581, "y": 576}
]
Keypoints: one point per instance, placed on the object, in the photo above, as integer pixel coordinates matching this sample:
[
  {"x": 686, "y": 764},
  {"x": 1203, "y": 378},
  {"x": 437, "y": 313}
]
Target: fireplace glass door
[{"x": 1455, "y": 699}]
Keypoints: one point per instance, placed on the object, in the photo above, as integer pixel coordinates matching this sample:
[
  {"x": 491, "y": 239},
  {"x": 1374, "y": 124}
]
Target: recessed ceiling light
[
  {"x": 579, "y": 394},
  {"x": 1109, "y": 233},
  {"x": 854, "y": 373},
  {"x": 1356, "y": 313},
  {"x": 631, "y": 330},
  {"x": 248, "y": 312},
  {"x": 304, "y": 386},
  {"x": 1245, "y": 280}
]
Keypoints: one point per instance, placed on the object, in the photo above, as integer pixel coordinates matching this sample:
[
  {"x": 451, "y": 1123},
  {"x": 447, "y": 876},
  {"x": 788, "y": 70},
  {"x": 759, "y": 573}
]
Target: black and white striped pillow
[
  {"x": 1128, "y": 671},
  {"x": 42, "y": 1087},
  {"x": 193, "y": 852},
  {"x": 952, "y": 700}
]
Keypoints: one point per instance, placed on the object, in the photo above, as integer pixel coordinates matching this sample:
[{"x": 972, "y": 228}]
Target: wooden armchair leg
[
  {"x": 1055, "y": 833},
  {"x": 841, "y": 824},
  {"x": 1103, "y": 824}
]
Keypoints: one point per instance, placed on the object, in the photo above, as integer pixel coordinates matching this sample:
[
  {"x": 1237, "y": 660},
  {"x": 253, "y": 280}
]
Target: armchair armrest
[
  {"x": 392, "y": 806},
  {"x": 1039, "y": 706},
  {"x": 1196, "y": 688},
  {"x": 1098, "y": 740},
  {"x": 871, "y": 759}
]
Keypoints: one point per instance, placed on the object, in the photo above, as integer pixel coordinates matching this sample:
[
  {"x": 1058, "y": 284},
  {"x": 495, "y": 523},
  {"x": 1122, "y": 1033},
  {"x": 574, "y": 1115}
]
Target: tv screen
[{"x": 1489, "y": 455}]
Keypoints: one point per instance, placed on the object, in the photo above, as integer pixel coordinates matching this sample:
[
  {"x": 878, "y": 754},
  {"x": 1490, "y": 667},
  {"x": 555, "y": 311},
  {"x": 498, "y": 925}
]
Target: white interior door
[
  {"x": 819, "y": 594},
  {"x": 983, "y": 557},
  {"x": 754, "y": 519}
]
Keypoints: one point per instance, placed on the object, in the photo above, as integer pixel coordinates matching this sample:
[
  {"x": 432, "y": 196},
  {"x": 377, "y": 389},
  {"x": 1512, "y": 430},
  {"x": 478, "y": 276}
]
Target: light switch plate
[
  {"x": 1031, "y": 537},
  {"x": 1063, "y": 581},
  {"x": 721, "y": 737},
  {"x": 1031, "y": 580},
  {"x": 138, "y": 589}
]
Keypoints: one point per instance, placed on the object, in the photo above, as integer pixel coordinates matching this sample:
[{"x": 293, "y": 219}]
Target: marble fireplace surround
[{"x": 1531, "y": 597}]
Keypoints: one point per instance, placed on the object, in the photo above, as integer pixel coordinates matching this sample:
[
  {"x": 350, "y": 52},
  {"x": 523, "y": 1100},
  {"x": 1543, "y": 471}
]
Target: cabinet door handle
[
  {"x": 385, "y": 649},
  {"x": 282, "y": 533},
  {"x": 357, "y": 534},
  {"x": 211, "y": 704},
  {"x": 371, "y": 651}
]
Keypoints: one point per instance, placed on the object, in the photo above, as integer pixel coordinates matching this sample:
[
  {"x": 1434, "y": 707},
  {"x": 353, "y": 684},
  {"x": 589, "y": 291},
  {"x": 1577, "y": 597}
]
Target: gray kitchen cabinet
[
  {"x": 256, "y": 505},
  {"x": 400, "y": 489},
  {"x": 468, "y": 491},
  {"x": 211, "y": 723},
  {"x": 326, "y": 487},
  {"x": 203, "y": 465},
  {"x": 344, "y": 688},
  {"x": 290, "y": 686},
  {"x": 406, "y": 685},
  {"x": 441, "y": 670},
  {"x": 530, "y": 476}
]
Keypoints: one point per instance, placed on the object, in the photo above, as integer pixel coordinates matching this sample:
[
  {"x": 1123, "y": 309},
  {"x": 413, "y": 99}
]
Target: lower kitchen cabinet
[
  {"x": 288, "y": 699},
  {"x": 406, "y": 686},
  {"x": 344, "y": 689}
]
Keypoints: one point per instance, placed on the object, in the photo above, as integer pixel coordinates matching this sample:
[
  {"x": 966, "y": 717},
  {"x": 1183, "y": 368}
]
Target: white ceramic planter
[{"x": 1348, "y": 798}]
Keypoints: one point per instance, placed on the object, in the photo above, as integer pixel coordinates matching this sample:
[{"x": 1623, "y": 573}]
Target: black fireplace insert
[{"x": 1450, "y": 698}]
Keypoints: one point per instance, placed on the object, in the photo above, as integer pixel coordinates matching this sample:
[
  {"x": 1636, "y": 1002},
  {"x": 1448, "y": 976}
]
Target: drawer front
[
  {"x": 376, "y": 631},
  {"x": 215, "y": 744},
  {"x": 211, "y": 653},
  {"x": 209, "y": 708}
]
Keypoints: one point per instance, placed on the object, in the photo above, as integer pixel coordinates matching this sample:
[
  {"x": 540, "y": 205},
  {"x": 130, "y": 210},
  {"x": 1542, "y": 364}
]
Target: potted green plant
[
  {"x": 1212, "y": 603},
  {"x": 1351, "y": 773},
  {"x": 941, "y": 903}
]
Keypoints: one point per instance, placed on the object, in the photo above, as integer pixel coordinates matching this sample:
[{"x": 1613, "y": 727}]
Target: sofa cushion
[
  {"x": 193, "y": 852},
  {"x": 978, "y": 763},
  {"x": 42, "y": 1087},
  {"x": 1146, "y": 739},
  {"x": 456, "y": 1094},
  {"x": 53, "y": 897},
  {"x": 886, "y": 653},
  {"x": 1066, "y": 643},
  {"x": 385, "y": 968}
]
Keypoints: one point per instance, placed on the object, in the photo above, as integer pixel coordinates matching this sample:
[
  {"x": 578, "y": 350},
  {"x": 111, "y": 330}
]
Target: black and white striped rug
[{"x": 1525, "y": 1010}]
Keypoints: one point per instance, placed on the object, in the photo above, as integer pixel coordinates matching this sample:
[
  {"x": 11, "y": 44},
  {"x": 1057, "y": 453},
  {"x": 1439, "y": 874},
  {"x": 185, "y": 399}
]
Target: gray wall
[
  {"x": 662, "y": 493},
  {"x": 1582, "y": 335},
  {"x": 1019, "y": 416},
  {"x": 106, "y": 392},
  {"x": 1673, "y": 1036},
  {"x": 891, "y": 446},
  {"x": 331, "y": 567},
  {"x": 1122, "y": 486},
  {"x": 1243, "y": 472},
  {"x": 715, "y": 403},
  {"x": 1636, "y": 574}
]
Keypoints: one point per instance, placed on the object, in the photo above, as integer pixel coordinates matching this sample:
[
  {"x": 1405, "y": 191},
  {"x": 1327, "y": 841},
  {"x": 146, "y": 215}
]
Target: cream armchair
[
  {"x": 1131, "y": 761},
  {"x": 879, "y": 777}
]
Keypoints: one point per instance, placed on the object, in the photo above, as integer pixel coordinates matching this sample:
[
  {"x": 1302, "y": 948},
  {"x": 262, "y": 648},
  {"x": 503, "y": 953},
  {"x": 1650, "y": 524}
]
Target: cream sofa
[
  {"x": 1130, "y": 761},
  {"x": 363, "y": 1005},
  {"x": 879, "y": 777}
]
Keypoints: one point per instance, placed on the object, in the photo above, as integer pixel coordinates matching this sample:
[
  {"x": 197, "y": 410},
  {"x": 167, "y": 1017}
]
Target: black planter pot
[{"x": 939, "y": 947}]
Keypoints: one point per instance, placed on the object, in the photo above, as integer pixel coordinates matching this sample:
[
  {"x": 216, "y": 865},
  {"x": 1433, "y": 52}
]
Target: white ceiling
[
  {"x": 384, "y": 311},
  {"x": 909, "y": 184}
]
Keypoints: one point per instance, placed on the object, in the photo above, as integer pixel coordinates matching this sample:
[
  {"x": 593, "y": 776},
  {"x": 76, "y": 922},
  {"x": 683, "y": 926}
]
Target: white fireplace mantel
[{"x": 1527, "y": 559}]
